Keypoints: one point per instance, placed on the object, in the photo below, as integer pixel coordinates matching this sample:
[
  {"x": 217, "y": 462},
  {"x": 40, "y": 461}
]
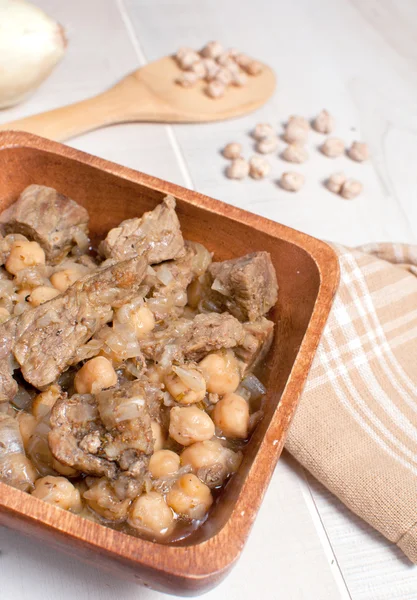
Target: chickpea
[
  {"x": 238, "y": 169},
  {"x": 62, "y": 280},
  {"x": 27, "y": 425},
  {"x": 350, "y": 189},
  {"x": 262, "y": 131},
  {"x": 324, "y": 122},
  {"x": 203, "y": 454},
  {"x": 267, "y": 145},
  {"x": 221, "y": 373},
  {"x": 24, "y": 254},
  {"x": 4, "y": 314},
  {"x": 95, "y": 375},
  {"x": 42, "y": 294},
  {"x": 212, "y": 50},
  {"x": 158, "y": 436},
  {"x": 187, "y": 386},
  {"x": 295, "y": 153},
  {"x": 63, "y": 469},
  {"x": 199, "y": 69},
  {"x": 231, "y": 416},
  {"x": 224, "y": 76},
  {"x": 232, "y": 150},
  {"x": 211, "y": 68},
  {"x": 187, "y": 79},
  {"x": 59, "y": 492},
  {"x": 239, "y": 79},
  {"x": 296, "y": 129},
  {"x": 163, "y": 463},
  {"x": 292, "y": 181},
  {"x": 358, "y": 151},
  {"x": 143, "y": 320},
  {"x": 190, "y": 497},
  {"x": 259, "y": 167},
  {"x": 332, "y": 147},
  {"x": 215, "y": 89},
  {"x": 190, "y": 424},
  {"x": 43, "y": 402},
  {"x": 254, "y": 67},
  {"x": 151, "y": 514},
  {"x": 186, "y": 58},
  {"x": 335, "y": 182},
  {"x": 103, "y": 500}
]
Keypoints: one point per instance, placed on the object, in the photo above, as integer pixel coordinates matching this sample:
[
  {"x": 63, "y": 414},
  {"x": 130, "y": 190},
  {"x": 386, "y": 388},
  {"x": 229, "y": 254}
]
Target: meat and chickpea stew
[{"x": 127, "y": 385}]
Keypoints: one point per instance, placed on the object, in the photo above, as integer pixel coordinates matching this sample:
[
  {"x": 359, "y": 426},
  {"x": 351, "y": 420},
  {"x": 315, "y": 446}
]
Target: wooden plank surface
[{"x": 358, "y": 59}]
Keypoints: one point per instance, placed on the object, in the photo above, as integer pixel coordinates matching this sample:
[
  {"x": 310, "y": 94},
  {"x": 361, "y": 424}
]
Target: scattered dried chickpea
[
  {"x": 358, "y": 151},
  {"x": 267, "y": 145},
  {"x": 350, "y": 189},
  {"x": 59, "y": 492},
  {"x": 332, "y": 147},
  {"x": 221, "y": 372},
  {"x": 215, "y": 89},
  {"x": 259, "y": 167},
  {"x": 187, "y": 79},
  {"x": 232, "y": 150},
  {"x": 231, "y": 416},
  {"x": 189, "y": 425},
  {"x": 295, "y": 153},
  {"x": 238, "y": 169},
  {"x": 212, "y": 50},
  {"x": 95, "y": 375},
  {"x": 42, "y": 294},
  {"x": 164, "y": 463},
  {"x": 324, "y": 122},
  {"x": 190, "y": 497},
  {"x": 296, "y": 130},
  {"x": 24, "y": 254},
  {"x": 334, "y": 182},
  {"x": 158, "y": 436},
  {"x": 263, "y": 130},
  {"x": 292, "y": 181},
  {"x": 151, "y": 514},
  {"x": 4, "y": 314}
]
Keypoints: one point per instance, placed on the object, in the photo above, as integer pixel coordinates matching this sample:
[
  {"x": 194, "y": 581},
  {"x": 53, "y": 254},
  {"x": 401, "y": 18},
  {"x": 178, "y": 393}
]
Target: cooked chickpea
[
  {"x": 232, "y": 150},
  {"x": 295, "y": 153},
  {"x": 334, "y": 182},
  {"x": 358, "y": 151},
  {"x": 238, "y": 169},
  {"x": 215, "y": 89},
  {"x": 63, "y": 469},
  {"x": 143, "y": 320},
  {"x": 42, "y": 294},
  {"x": 23, "y": 255},
  {"x": 350, "y": 189},
  {"x": 151, "y": 514},
  {"x": 190, "y": 424},
  {"x": 4, "y": 314},
  {"x": 27, "y": 425},
  {"x": 259, "y": 167},
  {"x": 296, "y": 130},
  {"x": 332, "y": 147},
  {"x": 163, "y": 463},
  {"x": 221, "y": 373},
  {"x": 190, "y": 497},
  {"x": 292, "y": 181},
  {"x": 231, "y": 416},
  {"x": 61, "y": 280},
  {"x": 203, "y": 454},
  {"x": 95, "y": 375},
  {"x": 103, "y": 500},
  {"x": 324, "y": 122},
  {"x": 43, "y": 402},
  {"x": 158, "y": 436},
  {"x": 186, "y": 385},
  {"x": 59, "y": 492}
]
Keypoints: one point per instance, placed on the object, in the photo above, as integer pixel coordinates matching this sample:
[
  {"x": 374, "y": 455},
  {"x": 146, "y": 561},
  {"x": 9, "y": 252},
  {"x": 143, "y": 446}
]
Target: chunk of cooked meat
[
  {"x": 156, "y": 235},
  {"x": 45, "y": 340},
  {"x": 15, "y": 468},
  {"x": 48, "y": 217},
  {"x": 108, "y": 433},
  {"x": 193, "y": 339},
  {"x": 256, "y": 343},
  {"x": 247, "y": 286}
]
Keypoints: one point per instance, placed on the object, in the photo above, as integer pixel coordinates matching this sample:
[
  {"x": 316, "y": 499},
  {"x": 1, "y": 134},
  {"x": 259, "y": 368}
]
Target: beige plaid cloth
[{"x": 356, "y": 426}]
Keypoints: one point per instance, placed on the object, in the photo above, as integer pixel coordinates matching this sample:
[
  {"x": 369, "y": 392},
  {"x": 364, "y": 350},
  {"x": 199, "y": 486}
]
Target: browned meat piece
[
  {"x": 15, "y": 468},
  {"x": 156, "y": 235},
  {"x": 44, "y": 340},
  {"x": 108, "y": 433},
  {"x": 193, "y": 339},
  {"x": 247, "y": 286},
  {"x": 258, "y": 339},
  {"x": 48, "y": 217}
]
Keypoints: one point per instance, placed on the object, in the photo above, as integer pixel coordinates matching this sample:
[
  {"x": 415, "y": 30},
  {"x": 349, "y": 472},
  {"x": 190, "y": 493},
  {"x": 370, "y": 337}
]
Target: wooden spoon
[{"x": 149, "y": 94}]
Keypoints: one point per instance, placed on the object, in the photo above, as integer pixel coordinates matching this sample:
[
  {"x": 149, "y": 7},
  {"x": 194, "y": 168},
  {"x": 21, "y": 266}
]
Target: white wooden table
[{"x": 358, "y": 59}]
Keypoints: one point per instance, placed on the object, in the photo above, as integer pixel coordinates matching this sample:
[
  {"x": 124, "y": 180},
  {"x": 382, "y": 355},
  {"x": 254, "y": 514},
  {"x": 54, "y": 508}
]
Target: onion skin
[{"x": 31, "y": 44}]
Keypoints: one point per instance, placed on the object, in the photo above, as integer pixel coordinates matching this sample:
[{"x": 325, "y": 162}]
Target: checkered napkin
[{"x": 356, "y": 426}]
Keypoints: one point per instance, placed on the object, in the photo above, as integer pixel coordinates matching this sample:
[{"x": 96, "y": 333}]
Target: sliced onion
[
  {"x": 202, "y": 258},
  {"x": 219, "y": 287},
  {"x": 252, "y": 384},
  {"x": 191, "y": 378},
  {"x": 81, "y": 239},
  {"x": 129, "y": 409},
  {"x": 164, "y": 274}
]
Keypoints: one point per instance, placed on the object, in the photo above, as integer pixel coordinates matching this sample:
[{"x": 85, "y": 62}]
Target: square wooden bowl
[{"x": 308, "y": 273}]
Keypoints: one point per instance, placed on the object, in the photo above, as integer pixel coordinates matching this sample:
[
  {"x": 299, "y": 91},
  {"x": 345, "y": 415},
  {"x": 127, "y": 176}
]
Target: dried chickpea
[
  {"x": 335, "y": 182},
  {"x": 295, "y": 153},
  {"x": 324, "y": 122},
  {"x": 158, "y": 436},
  {"x": 190, "y": 424},
  {"x": 4, "y": 314},
  {"x": 263, "y": 130},
  {"x": 358, "y": 151},
  {"x": 332, "y": 147},
  {"x": 150, "y": 513},
  {"x": 163, "y": 463},
  {"x": 186, "y": 385},
  {"x": 211, "y": 68},
  {"x": 24, "y": 254},
  {"x": 232, "y": 150},
  {"x": 254, "y": 68},
  {"x": 259, "y": 167},
  {"x": 238, "y": 169},
  {"x": 42, "y": 294},
  {"x": 239, "y": 79},
  {"x": 296, "y": 130},
  {"x": 59, "y": 492},
  {"x": 95, "y": 375},
  {"x": 190, "y": 497},
  {"x": 267, "y": 145},
  {"x": 198, "y": 69},
  {"x": 187, "y": 79},
  {"x": 291, "y": 181},
  {"x": 231, "y": 416},
  {"x": 350, "y": 189},
  {"x": 212, "y": 50},
  {"x": 243, "y": 60},
  {"x": 224, "y": 76},
  {"x": 187, "y": 59},
  {"x": 221, "y": 372},
  {"x": 62, "y": 280},
  {"x": 215, "y": 89}
]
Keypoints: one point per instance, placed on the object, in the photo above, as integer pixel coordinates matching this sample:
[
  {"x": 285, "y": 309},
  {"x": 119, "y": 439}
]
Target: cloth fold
[{"x": 355, "y": 428}]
